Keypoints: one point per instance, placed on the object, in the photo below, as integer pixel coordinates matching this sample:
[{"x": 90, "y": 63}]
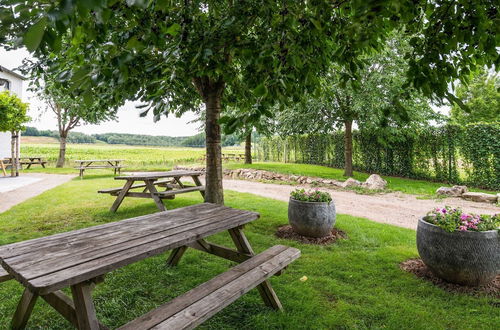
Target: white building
[{"x": 12, "y": 81}]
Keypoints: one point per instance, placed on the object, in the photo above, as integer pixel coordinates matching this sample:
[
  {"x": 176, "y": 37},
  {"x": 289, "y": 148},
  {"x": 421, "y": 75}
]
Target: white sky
[{"x": 128, "y": 116}]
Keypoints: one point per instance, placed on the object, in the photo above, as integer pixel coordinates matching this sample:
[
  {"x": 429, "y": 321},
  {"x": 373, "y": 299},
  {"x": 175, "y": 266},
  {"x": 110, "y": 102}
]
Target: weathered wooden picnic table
[
  {"x": 173, "y": 186},
  {"x": 80, "y": 259},
  {"x": 3, "y": 165},
  {"x": 29, "y": 161},
  {"x": 99, "y": 163}
]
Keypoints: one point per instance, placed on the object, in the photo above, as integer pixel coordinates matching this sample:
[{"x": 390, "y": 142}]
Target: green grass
[
  {"x": 354, "y": 284},
  {"x": 408, "y": 186}
]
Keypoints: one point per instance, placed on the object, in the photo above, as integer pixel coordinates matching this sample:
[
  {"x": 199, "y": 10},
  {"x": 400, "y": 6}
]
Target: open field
[
  {"x": 355, "y": 283},
  {"x": 38, "y": 140}
]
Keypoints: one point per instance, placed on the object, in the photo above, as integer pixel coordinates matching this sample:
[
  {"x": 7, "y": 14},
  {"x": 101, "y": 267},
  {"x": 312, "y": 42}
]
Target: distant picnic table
[
  {"x": 150, "y": 181},
  {"x": 99, "y": 163},
  {"x": 80, "y": 259},
  {"x": 22, "y": 161},
  {"x": 227, "y": 157}
]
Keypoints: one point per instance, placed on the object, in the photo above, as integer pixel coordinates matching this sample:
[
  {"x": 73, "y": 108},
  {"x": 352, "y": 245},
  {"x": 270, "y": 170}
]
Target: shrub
[
  {"x": 311, "y": 196},
  {"x": 453, "y": 219}
]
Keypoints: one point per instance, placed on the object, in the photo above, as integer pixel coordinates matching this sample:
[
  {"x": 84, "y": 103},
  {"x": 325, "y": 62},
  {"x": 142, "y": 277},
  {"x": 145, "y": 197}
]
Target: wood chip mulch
[
  {"x": 288, "y": 233},
  {"x": 418, "y": 268}
]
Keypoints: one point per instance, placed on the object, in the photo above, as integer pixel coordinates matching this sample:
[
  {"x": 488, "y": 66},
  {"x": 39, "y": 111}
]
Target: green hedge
[{"x": 451, "y": 153}]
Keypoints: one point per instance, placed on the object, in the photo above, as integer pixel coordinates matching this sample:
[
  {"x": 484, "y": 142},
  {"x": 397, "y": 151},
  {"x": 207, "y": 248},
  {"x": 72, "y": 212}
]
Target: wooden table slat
[{"x": 158, "y": 175}]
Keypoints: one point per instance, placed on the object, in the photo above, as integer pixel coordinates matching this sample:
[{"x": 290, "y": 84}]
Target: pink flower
[{"x": 462, "y": 228}]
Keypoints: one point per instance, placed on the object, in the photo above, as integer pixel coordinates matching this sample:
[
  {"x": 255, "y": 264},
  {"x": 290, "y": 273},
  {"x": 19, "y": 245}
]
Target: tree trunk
[
  {"x": 213, "y": 187},
  {"x": 13, "y": 163},
  {"x": 62, "y": 151},
  {"x": 348, "y": 148},
  {"x": 248, "y": 148},
  {"x": 18, "y": 149}
]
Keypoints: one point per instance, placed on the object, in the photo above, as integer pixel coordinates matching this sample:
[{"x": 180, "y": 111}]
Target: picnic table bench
[
  {"x": 170, "y": 180},
  {"x": 29, "y": 161},
  {"x": 97, "y": 164},
  {"x": 233, "y": 156},
  {"x": 80, "y": 259}
]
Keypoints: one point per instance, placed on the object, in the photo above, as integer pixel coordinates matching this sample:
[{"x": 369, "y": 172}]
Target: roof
[{"x": 15, "y": 74}]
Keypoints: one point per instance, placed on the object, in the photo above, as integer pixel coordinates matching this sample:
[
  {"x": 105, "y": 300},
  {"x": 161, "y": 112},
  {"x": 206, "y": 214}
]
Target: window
[{"x": 4, "y": 85}]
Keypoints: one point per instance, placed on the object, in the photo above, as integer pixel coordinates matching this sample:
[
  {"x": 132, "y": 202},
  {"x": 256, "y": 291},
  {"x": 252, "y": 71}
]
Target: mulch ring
[
  {"x": 418, "y": 268},
  {"x": 288, "y": 233}
]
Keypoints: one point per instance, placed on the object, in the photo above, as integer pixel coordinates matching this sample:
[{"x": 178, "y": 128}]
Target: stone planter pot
[
  {"x": 312, "y": 219},
  {"x": 463, "y": 257}
]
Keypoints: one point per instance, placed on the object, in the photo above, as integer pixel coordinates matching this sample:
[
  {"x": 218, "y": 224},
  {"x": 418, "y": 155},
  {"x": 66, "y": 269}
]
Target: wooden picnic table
[
  {"x": 90, "y": 164},
  {"x": 3, "y": 165},
  {"x": 173, "y": 186},
  {"x": 80, "y": 259},
  {"x": 30, "y": 160}
]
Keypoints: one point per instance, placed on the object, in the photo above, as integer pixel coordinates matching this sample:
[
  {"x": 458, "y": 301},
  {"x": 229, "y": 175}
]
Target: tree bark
[
  {"x": 214, "y": 191},
  {"x": 248, "y": 148},
  {"x": 62, "y": 151},
  {"x": 13, "y": 163},
  {"x": 348, "y": 148}
]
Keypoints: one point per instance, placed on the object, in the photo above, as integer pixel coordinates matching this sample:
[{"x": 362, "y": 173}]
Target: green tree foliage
[
  {"x": 12, "y": 119},
  {"x": 482, "y": 98},
  {"x": 173, "y": 55},
  {"x": 70, "y": 110},
  {"x": 378, "y": 100}
]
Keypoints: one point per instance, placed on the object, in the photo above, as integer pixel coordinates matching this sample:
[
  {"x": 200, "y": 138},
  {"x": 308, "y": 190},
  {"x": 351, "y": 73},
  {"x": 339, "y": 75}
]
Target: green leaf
[
  {"x": 173, "y": 29},
  {"x": 33, "y": 36},
  {"x": 260, "y": 90}
]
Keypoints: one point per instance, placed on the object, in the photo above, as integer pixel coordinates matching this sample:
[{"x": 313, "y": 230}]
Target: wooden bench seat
[
  {"x": 180, "y": 191},
  {"x": 143, "y": 185},
  {"x": 198, "y": 305}
]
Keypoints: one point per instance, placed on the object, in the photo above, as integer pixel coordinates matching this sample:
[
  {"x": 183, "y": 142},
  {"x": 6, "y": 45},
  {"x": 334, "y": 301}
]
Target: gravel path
[
  {"x": 393, "y": 208},
  {"x": 42, "y": 183}
]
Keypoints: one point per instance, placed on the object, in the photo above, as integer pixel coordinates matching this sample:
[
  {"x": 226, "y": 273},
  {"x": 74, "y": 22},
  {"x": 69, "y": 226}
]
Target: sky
[{"x": 128, "y": 120}]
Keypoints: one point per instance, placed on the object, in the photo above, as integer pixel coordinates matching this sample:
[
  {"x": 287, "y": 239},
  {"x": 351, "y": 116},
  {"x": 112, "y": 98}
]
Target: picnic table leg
[
  {"x": 24, "y": 309},
  {"x": 121, "y": 195},
  {"x": 265, "y": 289},
  {"x": 84, "y": 306},
  {"x": 2, "y": 165},
  {"x": 152, "y": 190},
  {"x": 175, "y": 256},
  {"x": 197, "y": 182}
]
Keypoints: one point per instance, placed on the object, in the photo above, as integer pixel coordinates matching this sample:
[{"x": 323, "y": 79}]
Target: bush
[{"x": 455, "y": 154}]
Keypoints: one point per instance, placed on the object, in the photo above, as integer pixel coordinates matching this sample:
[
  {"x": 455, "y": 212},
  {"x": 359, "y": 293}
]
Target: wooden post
[
  {"x": 265, "y": 289},
  {"x": 24, "y": 309},
  {"x": 84, "y": 306}
]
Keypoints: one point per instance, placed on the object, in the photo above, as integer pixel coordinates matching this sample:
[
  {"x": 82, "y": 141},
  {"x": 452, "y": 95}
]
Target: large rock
[
  {"x": 480, "y": 197},
  {"x": 351, "y": 183},
  {"x": 455, "y": 191},
  {"x": 375, "y": 182}
]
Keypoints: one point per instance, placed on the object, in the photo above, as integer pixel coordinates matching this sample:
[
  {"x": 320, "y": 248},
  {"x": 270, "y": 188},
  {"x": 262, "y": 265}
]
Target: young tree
[
  {"x": 377, "y": 99},
  {"x": 482, "y": 98},
  {"x": 174, "y": 54},
  {"x": 70, "y": 110},
  {"x": 12, "y": 117}
]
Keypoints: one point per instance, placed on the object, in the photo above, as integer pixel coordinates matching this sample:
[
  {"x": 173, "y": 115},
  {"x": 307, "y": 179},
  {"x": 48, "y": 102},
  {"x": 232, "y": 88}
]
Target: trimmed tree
[
  {"x": 174, "y": 54},
  {"x": 12, "y": 119},
  {"x": 70, "y": 110}
]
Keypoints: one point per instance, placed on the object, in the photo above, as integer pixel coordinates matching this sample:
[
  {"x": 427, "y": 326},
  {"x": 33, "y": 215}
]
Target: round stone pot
[
  {"x": 312, "y": 219},
  {"x": 463, "y": 257}
]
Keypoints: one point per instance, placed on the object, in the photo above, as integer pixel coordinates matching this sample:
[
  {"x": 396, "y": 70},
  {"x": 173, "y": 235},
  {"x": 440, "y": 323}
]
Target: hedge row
[{"x": 455, "y": 154}]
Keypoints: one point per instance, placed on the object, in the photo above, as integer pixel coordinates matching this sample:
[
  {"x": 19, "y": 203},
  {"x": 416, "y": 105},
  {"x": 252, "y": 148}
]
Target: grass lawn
[
  {"x": 356, "y": 283},
  {"x": 408, "y": 186}
]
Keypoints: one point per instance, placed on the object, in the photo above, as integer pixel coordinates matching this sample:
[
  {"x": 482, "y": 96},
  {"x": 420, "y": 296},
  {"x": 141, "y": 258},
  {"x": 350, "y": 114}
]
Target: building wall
[{"x": 16, "y": 86}]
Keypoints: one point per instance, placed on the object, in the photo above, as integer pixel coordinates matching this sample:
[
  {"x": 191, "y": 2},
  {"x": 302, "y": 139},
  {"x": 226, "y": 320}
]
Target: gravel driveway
[{"x": 393, "y": 208}]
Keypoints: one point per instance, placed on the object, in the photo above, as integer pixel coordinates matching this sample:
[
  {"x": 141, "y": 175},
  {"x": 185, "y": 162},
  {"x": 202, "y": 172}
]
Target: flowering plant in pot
[
  {"x": 460, "y": 247},
  {"x": 311, "y": 213}
]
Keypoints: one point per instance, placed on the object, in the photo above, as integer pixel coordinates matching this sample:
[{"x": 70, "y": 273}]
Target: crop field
[{"x": 139, "y": 156}]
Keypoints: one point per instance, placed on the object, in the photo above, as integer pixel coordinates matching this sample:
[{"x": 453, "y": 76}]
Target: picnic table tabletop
[
  {"x": 98, "y": 160},
  {"x": 141, "y": 176},
  {"x": 51, "y": 263}
]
